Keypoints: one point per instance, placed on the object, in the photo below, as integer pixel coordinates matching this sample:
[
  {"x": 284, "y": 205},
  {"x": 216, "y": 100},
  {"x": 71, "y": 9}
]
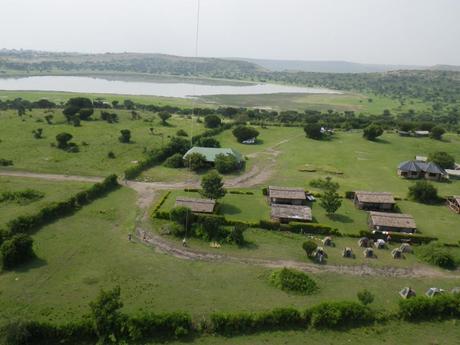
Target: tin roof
[{"x": 210, "y": 153}]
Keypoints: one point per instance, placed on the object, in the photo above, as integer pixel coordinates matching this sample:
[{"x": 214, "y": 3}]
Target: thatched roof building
[
  {"x": 374, "y": 200},
  {"x": 197, "y": 205},
  {"x": 286, "y": 195},
  {"x": 393, "y": 222},
  {"x": 286, "y": 213}
]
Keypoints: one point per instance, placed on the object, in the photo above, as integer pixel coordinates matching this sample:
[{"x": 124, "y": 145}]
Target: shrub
[
  {"x": 22, "y": 197},
  {"x": 63, "y": 140},
  {"x": 443, "y": 159},
  {"x": 16, "y": 250},
  {"x": 196, "y": 161},
  {"x": 293, "y": 281},
  {"x": 437, "y": 132},
  {"x": 424, "y": 192},
  {"x": 5, "y": 162},
  {"x": 372, "y": 132},
  {"x": 207, "y": 142},
  {"x": 236, "y": 235},
  {"x": 422, "y": 308},
  {"x": 175, "y": 161},
  {"x": 313, "y": 131},
  {"x": 111, "y": 155},
  {"x": 325, "y": 184},
  {"x": 340, "y": 314},
  {"x": 226, "y": 163},
  {"x": 436, "y": 254},
  {"x": 168, "y": 325},
  {"x": 181, "y": 133},
  {"x": 243, "y": 133},
  {"x": 309, "y": 247},
  {"x": 182, "y": 216},
  {"x": 365, "y": 297},
  {"x": 269, "y": 225},
  {"x": 349, "y": 195},
  {"x": 125, "y": 136},
  {"x": 265, "y": 191},
  {"x": 213, "y": 186},
  {"x": 212, "y": 121}
]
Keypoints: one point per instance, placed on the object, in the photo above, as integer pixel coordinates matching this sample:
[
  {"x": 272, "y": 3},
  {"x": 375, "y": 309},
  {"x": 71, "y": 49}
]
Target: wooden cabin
[
  {"x": 391, "y": 222},
  {"x": 286, "y": 213},
  {"x": 453, "y": 202},
  {"x": 197, "y": 205},
  {"x": 379, "y": 201},
  {"x": 286, "y": 195}
]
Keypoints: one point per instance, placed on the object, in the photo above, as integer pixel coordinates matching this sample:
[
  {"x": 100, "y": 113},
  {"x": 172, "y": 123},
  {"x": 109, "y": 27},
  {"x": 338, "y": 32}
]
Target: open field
[
  {"x": 52, "y": 191},
  {"x": 82, "y": 253},
  {"x": 95, "y": 139}
]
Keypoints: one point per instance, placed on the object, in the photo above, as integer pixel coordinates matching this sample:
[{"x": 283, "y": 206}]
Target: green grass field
[
  {"x": 18, "y": 144},
  {"x": 53, "y": 192}
]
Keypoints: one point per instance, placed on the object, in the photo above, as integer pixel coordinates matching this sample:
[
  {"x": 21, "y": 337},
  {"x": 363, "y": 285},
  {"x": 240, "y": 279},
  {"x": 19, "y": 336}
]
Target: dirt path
[{"x": 51, "y": 177}]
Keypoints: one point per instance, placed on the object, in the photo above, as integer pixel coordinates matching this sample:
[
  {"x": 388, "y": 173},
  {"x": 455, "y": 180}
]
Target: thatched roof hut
[
  {"x": 286, "y": 195},
  {"x": 374, "y": 200},
  {"x": 396, "y": 222},
  {"x": 197, "y": 205},
  {"x": 286, "y": 213},
  {"x": 327, "y": 241}
]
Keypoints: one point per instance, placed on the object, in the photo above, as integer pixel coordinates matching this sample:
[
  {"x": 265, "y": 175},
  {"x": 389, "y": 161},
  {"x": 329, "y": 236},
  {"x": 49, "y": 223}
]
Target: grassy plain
[
  {"x": 95, "y": 138},
  {"x": 53, "y": 192}
]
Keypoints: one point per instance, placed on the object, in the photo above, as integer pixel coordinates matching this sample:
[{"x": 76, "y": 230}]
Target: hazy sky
[{"x": 371, "y": 31}]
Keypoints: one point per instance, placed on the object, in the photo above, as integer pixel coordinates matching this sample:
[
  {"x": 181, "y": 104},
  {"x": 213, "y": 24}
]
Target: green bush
[
  {"x": 349, "y": 195},
  {"x": 151, "y": 326},
  {"x": 226, "y": 163},
  {"x": 423, "y": 191},
  {"x": 5, "y": 162},
  {"x": 365, "y": 297},
  {"x": 312, "y": 228},
  {"x": 16, "y": 251},
  {"x": 269, "y": 225},
  {"x": 175, "y": 161},
  {"x": 309, "y": 247},
  {"x": 293, "y": 281},
  {"x": 21, "y": 197},
  {"x": 422, "y": 308},
  {"x": 335, "y": 315},
  {"x": 436, "y": 254}
]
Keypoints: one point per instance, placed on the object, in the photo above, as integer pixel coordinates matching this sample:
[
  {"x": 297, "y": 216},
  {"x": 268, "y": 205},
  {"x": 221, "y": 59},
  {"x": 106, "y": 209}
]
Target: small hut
[
  {"x": 348, "y": 253},
  {"x": 397, "y": 253},
  {"x": 363, "y": 242},
  {"x": 287, "y": 213},
  {"x": 368, "y": 253},
  {"x": 327, "y": 241},
  {"x": 405, "y": 248},
  {"x": 378, "y": 201},
  {"x": 433, "y": 292},
  {"x": 392, "y": 222},
  {"x": 453, "y": 202},
  {"x": 407, "y": 292},
  {"x": 319, "y": 254},
  {"x": 380, "y": 244},
  {"x": 286, "y": 195}
]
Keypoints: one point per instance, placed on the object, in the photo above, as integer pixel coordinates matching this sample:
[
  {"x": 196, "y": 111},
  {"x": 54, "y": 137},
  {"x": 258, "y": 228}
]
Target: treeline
[
  {"x": 15, "y": 241},
  {"x": 107, "y": 324}
]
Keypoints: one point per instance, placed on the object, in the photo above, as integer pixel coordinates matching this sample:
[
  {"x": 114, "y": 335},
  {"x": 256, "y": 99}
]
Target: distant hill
[{"x": 327, "y": 66}]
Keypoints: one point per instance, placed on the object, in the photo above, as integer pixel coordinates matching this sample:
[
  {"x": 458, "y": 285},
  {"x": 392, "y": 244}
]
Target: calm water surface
[{"x": 151, "y": 88}]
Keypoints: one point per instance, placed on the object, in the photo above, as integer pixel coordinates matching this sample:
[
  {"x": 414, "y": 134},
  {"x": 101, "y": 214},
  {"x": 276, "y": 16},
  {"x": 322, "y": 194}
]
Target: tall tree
[{"x": 213, "y": 186}]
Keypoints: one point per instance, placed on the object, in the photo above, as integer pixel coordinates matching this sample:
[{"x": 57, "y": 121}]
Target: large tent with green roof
[{"x": 210, "y": 153}]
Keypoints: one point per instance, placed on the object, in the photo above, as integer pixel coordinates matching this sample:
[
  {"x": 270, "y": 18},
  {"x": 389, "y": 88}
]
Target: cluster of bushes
[
  {"x": 436, "y": 254},
  {"x": 330, "y": 315},
  {"x": 5, "y": 162},
  {"x": 109, "y": 117},
  {"x": 293, "y": 281},
  {"x": 298, "y": 227},
  {"x": 240, "y": 192},
  {"x": 16, "y": 245},
  {"x": 64, "y": 143},
  {"x": 422, "y": 308},
  {"x": 21, "y": 197}
]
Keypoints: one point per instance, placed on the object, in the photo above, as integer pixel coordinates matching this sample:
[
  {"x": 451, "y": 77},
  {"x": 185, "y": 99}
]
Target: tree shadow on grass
[
  {"x": 339, "y": 218},
  {"x": 249, "y": 245},
  {"x": 228, "y": 209},
  {"x": 33, "y": 264},
  {"x": 381, "y": 141}
]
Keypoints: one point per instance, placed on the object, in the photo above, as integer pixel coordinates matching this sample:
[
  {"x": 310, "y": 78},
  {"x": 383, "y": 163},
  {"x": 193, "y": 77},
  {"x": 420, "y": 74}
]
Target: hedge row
[
  {"x": 212, "y": 132},
  {"x": 330, "y": 315},
  {"x": 161, "y": 202},
  {"x": 399, "y": 237},
  {"x": 422, "y": 308},
  {"x": 26, "y": 224}
]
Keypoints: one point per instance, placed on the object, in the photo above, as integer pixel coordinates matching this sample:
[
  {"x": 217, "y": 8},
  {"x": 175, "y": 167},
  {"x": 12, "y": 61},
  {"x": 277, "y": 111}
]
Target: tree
[
  {"x": 196, "y": 161},
  {"x": 38, "y": 133},
  {"x": 313, "y": 131},
  {"x": 243, "y": 133},
  {"x": 236, "y": 235},
  {"x": 16, "y": 250},
  {"x": 443, "y": 159},
  {"x": 181, "y": 133},
  {"x": 212, "y": 121},
  {"x": 128, "y": 104},
  {"x": 424, "y": 192},
  {"x": 208, "y": 142},
  {"x": 372, "y": 132},
  {"x": 226, "y": 163},
  {"x": 164, "y": 116},
  {"x": 175, "y": 161},
  {"x": 80, "y": 107},
  {"x": 365, "y": 297},
  {"x": 325, "y": 184},
  {"x": 309, "y": 247},
  {"x": 437, "y": 132},
  {"x": 212, "y": 185},
  {"x": 125, "y": 136},
  {"x": 182, "y": 216},
  {"x": 106, "y": 316},
  {"x": 63, "y": 140},
  {"x": 330, "y": 201},
  {"x": 85, "y": 113}
]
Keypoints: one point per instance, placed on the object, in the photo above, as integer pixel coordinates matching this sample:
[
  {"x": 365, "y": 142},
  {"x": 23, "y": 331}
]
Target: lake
[{"x": 155, "y": 87}]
